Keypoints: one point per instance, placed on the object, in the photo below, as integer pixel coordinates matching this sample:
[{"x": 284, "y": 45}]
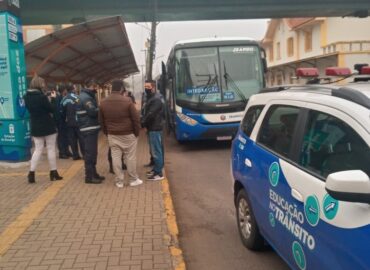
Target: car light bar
[
  {"x": 307, "y": 72},
  {"x": 337, "y": 71},
  {"x": 365, "y": 70}
]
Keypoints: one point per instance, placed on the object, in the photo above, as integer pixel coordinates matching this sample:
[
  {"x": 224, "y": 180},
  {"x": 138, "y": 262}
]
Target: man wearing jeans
[
  {"x": 153, "y": 121},
  {"x": 120, "y": 121}
]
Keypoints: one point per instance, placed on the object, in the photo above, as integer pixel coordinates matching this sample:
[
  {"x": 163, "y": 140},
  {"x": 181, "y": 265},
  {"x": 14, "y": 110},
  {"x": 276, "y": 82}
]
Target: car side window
[
  {"x": 250, "y": 119},
  {"x": 330, "y": 145},
  {"x": 278, "y": 128}
]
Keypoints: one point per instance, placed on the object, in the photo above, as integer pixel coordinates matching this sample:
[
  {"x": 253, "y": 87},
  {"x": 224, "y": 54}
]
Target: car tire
[{"x": 247, "y": 225}]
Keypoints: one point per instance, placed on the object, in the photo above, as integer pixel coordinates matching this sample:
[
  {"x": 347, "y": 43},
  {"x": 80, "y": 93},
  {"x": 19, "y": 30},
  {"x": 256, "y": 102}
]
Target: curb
[{"x": 173, "y": 241}]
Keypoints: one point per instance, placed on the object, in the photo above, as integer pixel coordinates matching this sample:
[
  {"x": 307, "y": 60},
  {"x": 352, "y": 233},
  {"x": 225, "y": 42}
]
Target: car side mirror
[{"x": 350, "y": 186}]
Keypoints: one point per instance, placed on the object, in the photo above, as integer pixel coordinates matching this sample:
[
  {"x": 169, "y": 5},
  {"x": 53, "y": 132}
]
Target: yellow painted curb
[
  {"x": 175, "y": 250},
  {"x": 34, "y": 209}
]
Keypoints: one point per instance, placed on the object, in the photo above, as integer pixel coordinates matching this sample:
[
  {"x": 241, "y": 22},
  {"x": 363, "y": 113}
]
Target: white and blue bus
[{"x": 207, "y": 85}]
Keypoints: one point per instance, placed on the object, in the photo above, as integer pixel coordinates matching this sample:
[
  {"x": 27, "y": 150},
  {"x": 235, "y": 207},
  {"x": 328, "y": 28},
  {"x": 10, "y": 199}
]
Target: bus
[{"x": 206, "y": 84}]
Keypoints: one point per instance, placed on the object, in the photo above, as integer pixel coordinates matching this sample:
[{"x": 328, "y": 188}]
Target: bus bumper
[{"x": 185, "y": 132}]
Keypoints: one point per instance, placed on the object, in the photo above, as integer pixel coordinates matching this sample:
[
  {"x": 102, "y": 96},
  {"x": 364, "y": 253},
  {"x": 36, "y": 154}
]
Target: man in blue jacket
[
  {"x": 88, "y": 121},
  {"x": 69, "y": 106}
]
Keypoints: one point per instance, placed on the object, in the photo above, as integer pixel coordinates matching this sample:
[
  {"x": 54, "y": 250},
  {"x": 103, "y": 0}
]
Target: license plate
[{"x": 224, "y": 138}]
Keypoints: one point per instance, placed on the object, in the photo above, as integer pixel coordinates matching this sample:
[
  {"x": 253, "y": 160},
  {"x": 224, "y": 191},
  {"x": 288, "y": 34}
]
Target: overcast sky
[{"x": 170, "y": 32}]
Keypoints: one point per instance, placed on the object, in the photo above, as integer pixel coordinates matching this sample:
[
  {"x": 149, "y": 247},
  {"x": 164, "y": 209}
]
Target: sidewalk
[{"x": 70, "y": 225}]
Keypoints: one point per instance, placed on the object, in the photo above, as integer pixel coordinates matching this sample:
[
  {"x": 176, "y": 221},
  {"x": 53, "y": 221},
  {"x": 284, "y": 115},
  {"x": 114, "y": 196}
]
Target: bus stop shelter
[{"x": 97, "y": 49}]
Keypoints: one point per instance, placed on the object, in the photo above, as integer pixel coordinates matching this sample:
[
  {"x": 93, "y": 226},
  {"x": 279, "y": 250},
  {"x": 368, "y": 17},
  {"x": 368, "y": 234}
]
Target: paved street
[
  {"x": 70, "y": 225},
  {"x": 202, "y": 193}
]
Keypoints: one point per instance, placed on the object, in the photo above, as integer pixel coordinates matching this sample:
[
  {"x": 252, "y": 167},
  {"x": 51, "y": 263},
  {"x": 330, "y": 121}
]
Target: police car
[{"x": 301, "y": 168}]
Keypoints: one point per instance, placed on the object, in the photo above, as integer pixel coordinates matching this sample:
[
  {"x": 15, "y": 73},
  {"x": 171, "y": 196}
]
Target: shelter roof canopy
[{"x": 98, "y": 49}]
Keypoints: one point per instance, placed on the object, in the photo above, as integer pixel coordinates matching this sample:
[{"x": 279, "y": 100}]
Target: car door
[
  {"x": 271, "y": 140},
  {"x": 332, "y": 234}
]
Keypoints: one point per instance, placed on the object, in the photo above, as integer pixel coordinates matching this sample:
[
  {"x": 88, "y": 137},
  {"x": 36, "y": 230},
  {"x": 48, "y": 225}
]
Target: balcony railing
[{"x": 347, "y": 46}]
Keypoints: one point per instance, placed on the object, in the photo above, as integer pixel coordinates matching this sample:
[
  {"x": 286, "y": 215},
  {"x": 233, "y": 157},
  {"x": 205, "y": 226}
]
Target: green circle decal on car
[
  {"x": 298, "y": 255},
  {"x": 274, "y": 174},
  {"x": 312, "y": 210},
  {"x": 330, "y": 207}
]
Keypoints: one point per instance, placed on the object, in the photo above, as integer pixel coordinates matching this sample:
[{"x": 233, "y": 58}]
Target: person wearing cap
[
  {"x": 152, "y": 120},
  {"x": 120, "y": 121},
  {"x": 87, "y": 118}
]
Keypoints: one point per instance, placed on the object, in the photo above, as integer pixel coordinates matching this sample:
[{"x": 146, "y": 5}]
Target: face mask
[{"x": 148, "y": 91}]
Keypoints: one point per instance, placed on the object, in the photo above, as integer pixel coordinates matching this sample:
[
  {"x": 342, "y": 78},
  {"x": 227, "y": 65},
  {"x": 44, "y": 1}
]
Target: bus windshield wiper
[
  {"x": 209, "y": 86},
  {"x": 233, "y": 85}
]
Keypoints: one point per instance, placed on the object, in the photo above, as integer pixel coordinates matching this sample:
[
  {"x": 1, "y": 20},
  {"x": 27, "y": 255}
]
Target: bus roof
[{"x": 203, "y": 42}]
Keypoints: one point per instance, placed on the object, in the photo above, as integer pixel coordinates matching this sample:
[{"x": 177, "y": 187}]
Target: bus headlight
[{"x": 187, "y": 119}]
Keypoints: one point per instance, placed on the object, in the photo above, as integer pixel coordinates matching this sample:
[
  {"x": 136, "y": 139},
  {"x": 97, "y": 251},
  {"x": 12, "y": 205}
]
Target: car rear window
[{"x": 277, "y": 129}]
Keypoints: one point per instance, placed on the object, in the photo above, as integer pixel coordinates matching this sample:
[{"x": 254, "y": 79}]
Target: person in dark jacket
[
  {"x": 153, "y": 122},
  {"x": 88, "y": 122},
  {"x": 131, "y": 96},
  {"x": 62, "y": 138},
  {"x": 69, "y": 107},
  {"x": 43, "y": 128}
]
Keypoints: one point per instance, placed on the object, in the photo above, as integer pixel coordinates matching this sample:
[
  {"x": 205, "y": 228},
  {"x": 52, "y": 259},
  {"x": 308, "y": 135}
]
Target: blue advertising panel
[{"x": 15, "y": 140}]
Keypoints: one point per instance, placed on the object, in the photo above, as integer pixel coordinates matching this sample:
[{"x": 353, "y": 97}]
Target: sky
[{"x": 170, "y": 32}]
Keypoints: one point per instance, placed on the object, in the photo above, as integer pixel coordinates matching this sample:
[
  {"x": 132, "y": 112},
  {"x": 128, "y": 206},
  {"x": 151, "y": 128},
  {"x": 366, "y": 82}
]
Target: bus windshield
[{"x": 224, "y": 74}]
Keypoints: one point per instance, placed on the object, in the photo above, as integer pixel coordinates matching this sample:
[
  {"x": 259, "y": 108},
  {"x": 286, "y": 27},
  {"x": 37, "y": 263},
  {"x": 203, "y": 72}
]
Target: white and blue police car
[{"x": 301, "y": 169}]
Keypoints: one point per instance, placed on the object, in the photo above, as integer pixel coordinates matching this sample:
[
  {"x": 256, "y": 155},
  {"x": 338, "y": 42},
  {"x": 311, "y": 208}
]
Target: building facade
[{"x": 314, "y": 42}]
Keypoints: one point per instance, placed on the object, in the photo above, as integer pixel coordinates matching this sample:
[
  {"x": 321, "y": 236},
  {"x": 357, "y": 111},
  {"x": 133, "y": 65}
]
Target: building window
[
  {"x": 278, "y": 53},
  {"x": 308, "y": 41},
  {"x": 271, "y": 53},
  {"x": 290, "y": 46}
]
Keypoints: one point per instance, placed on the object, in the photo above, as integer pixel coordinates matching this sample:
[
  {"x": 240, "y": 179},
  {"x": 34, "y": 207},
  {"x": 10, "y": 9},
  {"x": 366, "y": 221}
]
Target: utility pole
[{"x": 151, "y": 50}]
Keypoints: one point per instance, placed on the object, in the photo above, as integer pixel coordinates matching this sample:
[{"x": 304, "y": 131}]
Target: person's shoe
[
  {"x": 77, "y": 158},
  {"x": 119, "y": 184},
  {"x": 137, "y": 182},
  {"x": 99, "y": 177},
  {"x": 156, "y": 177},
  {"x": 63, "y": 156},
  {"x": 54, "y": 175},
  {"x": 150, "y": 173},
  {"x": 92, "y": 181},
  {"x": 31, "y": 177}
]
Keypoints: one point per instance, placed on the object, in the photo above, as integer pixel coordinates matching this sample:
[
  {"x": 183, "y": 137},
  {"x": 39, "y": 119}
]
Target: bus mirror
[
  {"x": 164, "y": 70},
  {"x": 163, "y": 80},
  {"x": 264, "y": 61}
]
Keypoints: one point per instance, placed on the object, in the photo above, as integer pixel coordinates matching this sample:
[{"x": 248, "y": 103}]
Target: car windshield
[{"x": 218, "y": 74}]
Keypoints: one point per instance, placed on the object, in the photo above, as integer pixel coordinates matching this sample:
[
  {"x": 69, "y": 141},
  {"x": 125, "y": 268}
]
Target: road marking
[
  {"x": 175, "y": 250},
  {"x": 34, "y": 209},
  {"x": 24, "y": 174}
]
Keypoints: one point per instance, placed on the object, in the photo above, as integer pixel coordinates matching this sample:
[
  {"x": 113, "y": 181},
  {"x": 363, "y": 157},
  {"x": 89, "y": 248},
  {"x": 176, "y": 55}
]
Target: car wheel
[{"x": 247, "y": 225}]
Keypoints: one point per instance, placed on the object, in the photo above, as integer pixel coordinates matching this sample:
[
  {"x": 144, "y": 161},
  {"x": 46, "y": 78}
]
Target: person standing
[
  {"x": 43, "y": 127},
  {"x": 153, "y": 122},
  {"x": 69, "y": 107},
  {"x": 120, "y": 121},
  {"x": 62, "y": 138},
  {"x": 131, "y": 96},
  {"x": 87, "y": 119}
]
